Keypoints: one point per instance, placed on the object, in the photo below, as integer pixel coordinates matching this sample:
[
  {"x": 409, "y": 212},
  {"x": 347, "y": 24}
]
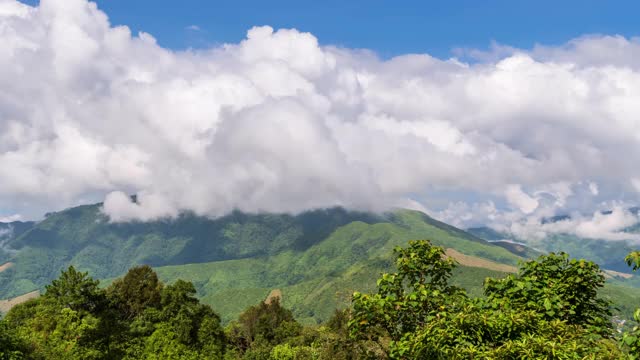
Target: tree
[
  {"x": 138, "y": 290},
  {"x": 139, "y": 318},
  {"x": 268, "y": 321},
  {"x": 76, "y": 291},
  {"x": 12, "y": 347},
  {"x": 70, "y": 321},
  {"x": 633, "y": 260},
  {"x": 422, "y": 317},
  {"x": 261, "y": 327},
  {"x": 558, "y": 288},
  {"x": 193, "y": 324},
  {"x": 631, "y": 339},
  {"x": 408, "y": 299},
  {"x": 165, "y": 344}
]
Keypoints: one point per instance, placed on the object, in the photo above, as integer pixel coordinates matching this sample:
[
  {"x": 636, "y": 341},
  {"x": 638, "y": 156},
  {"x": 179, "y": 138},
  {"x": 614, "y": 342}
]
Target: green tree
[
  {"x": 423, "y": 317},
  {"x": 269, "y": 321},
  {"x": 165, "y": 344},
  {"x": 137, "y": 291},
  {"x": 76, "y": 291},
  {"x": 139, "y": 318},
  {"x": 631, "y": 339},
  {"x": 194, "y": 324},
  {"x": 260, "y": 327},
  {"x": 408, "y": 299},
  {"x": 12, "y": 347},
  {"x": 558, "y": 288},
  {"x": 70, "y": 321}
]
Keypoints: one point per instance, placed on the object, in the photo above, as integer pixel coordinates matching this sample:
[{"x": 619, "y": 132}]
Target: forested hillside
[
  {"x": 315, "y": 259},
  {"x": 84, "y": 237}
]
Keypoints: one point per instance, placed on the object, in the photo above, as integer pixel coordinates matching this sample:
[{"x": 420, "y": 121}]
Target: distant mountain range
[
  {"x": 606, "y": 253},
  {"x": 316, "y": 259}
]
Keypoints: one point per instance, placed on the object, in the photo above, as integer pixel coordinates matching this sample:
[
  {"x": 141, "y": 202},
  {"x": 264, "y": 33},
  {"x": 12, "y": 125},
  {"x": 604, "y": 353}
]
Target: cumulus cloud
[
  {"x": 609, "y": 225},
  {"x": 278, "y": 122},
  {"x": 518, "y": 198},
  {"x": 552, "y": 209}
]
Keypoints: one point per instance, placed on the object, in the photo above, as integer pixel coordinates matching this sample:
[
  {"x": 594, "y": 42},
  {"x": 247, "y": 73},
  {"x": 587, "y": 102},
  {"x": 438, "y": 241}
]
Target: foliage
[
  {"x": 558, "y": 288},
  {"x": 83, "y": 237},
  {"x": 75, "y": 290},
  {"x": 135, "y": 318},
  {"x": 138, "y": 290},
  {"x": 266, "y": 324},
  {"x": 633, "y": 260},
  {"x": 549, "y": 310},
  {"x": 631, "y": 340},
  {"x": 11, "y": 346},
  {"x": 407, "y": 300},
  {"x": 71, "y": 320},
  {"x": 269, "y": 250}
]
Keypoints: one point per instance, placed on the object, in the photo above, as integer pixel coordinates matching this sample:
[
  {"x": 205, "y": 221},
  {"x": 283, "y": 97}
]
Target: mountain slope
[
  {"x": 323, "y": 277},
  {"x": 322, "y": 241},
  {"x": 82, "y": 236},
  {"x": 606, "y": 253},
  {"x": 316, "y": 259}
]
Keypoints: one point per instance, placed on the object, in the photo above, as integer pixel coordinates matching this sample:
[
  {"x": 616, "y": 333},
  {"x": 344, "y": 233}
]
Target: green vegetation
[
  {"x": 83, "y": 237},
  {"x": 135, "y": 318},
  {"x": 550, "y": 309},
  {"x": 631, "y": 339},
  {"x": 317, "y": 259},
  {"x": 607, "y": 254}
]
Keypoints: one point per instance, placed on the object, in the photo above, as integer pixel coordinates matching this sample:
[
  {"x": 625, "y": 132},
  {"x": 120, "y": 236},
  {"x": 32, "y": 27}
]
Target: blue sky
[{"x": 388, "y": 27}]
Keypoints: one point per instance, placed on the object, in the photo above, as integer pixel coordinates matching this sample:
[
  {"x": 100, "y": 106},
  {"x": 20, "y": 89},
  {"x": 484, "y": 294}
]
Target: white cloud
[
  {"x": 518, "y": 198},
  {"x": 610, "y": 225},
  {"x": 120, "y": 207},
  {"x": 278, "y": 122},
  {"x": 10, "y": 218}
]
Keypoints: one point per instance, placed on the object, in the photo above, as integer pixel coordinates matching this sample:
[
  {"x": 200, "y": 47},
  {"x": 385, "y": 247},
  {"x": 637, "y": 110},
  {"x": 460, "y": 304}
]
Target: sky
[
  {"x": 387, "y": 27},
  {"x": 477, "y": 115}
]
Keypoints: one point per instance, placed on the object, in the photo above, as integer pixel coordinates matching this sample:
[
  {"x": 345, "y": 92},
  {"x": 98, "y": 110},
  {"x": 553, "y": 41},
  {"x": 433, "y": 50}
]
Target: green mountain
[{"x": 315, "y": 259}]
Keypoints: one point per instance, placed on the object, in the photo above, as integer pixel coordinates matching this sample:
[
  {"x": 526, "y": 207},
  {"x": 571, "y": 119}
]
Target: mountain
[
  {"x": 606, "y": 253},
  {"x": 315, "y": 259},
  {"x": 9, "y": 231}
]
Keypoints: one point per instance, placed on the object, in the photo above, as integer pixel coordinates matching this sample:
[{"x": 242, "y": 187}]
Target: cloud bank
[{"x": 281, "y": 123}]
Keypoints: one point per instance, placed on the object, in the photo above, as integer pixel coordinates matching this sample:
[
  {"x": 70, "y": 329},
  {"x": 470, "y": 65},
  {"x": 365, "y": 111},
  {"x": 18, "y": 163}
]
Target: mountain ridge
[{"x": 316, "y": 258}]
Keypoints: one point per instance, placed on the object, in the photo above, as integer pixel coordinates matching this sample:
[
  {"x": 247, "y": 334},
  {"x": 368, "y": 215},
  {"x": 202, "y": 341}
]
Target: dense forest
[{"x": 549, "y": 309}]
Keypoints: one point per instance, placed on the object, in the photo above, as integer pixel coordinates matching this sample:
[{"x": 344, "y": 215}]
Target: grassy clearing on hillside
[
  {"x": 474, "y": 261},
  {"x": 6, "y": 305},
  {"x": 5, "y": 266}
]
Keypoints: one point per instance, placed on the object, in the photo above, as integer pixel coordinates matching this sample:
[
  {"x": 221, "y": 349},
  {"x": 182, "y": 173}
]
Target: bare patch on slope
[
  {"x": 614, "y": 274},
  {"x": 474, "y": 261},
  {"x": 5, "y": 266},
  {"x": 275, "y": 293},
  {"x": 6, "y": 305}
]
